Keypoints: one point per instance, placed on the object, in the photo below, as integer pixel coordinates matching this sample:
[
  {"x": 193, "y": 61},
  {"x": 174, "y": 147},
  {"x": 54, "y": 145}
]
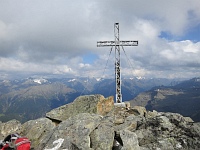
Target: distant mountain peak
[
  {"x": 40, "y": 81},
  {"x": 140, "y": 78},
  {"x": 99, "y": 79},
  {"x": 197, "y": 79},
  {"x": 71, "y": 80}
]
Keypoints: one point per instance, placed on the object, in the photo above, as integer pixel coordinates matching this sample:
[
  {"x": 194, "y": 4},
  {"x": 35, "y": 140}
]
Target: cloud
[
  {"x": 57, "y": 37},
  {"x": 172, "y": 16}
]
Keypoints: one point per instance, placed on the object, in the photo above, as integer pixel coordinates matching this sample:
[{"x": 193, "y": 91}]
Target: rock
[
  {"x": 83, "y": 104},
  {"x": 73, "y": 133},
  {"x": 168, "y": 131},
  {"x": 128, "y": 105},
  {"x": 130, "y": 123},
  {"x": 103, "y": 136},
  {"x": 140, "y": 110},
  {"x": 151, "y": 114},
  {"x": 188, "y": 119},
  {"x": 112, "y": 128},
  {"x": 105, "y": 105},
  {"x": 36, "y": 130},
  {"x": 165, "y": 144},
  {"x": 9, "y": 127},
  {"x": 129, "y": 139},
  {"x": 145, "y": 137},
  {"x": 119, "y": 114},
  {"x": 165, "y": 124}
]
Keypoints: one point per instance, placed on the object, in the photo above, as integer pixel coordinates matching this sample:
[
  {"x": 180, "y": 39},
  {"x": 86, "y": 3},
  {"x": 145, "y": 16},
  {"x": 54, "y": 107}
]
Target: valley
[
  {"x": 31, "y": 98},
  {"x": 183, "y": 98}
]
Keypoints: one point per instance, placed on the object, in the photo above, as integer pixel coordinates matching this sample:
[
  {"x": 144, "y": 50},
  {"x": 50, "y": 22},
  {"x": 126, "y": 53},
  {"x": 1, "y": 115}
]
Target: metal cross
[{"x": 117, "y": 43}]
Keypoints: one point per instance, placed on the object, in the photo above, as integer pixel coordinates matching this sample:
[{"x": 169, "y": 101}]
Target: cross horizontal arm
[{"x": 118, "y": 43}]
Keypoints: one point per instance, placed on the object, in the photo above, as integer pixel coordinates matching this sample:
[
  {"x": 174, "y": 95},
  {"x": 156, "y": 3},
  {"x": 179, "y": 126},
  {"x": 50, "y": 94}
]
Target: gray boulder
[
  {"x": 129, "y": 139},
  {"x": 102, "y": 136},
  {"x": 83, "y": 104},
  {"x": 168, "y": 131},
  {"x": 74, "y": 133},
  {"x": 9, "y": 127},
  {"x": 36, "y": 130}
]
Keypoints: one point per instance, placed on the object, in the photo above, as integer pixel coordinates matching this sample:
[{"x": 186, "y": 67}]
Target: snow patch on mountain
[
  {"x": 72, "y": 80},
  {"x": 40, "y": 81},
  {"x": 98, "y": 79},
  {"x": 140, "y": 78}
]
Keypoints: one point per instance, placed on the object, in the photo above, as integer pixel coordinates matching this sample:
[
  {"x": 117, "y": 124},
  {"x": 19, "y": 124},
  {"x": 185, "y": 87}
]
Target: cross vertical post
[
  {"x": 117, "y": 64},
  {"x": 117, "y": 43}
]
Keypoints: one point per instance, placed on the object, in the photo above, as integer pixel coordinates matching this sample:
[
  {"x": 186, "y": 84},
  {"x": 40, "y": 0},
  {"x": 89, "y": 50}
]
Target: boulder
[
  {"x": 130, "y": 123},
  {"x": 119, "y": 114},
  {"x": 129, "y": 139},
  {"x": 83, "y": 104},
  {"x": 73, "y": 133},
  {"x": 103, "y": 136},
  {"x": 151, "y": 114},
  {"x": 140, "y": 110},
  {"x": 36, "y": 130},
  {"x": 168, "y": 131},
  {"x": 9, "y": 127}
]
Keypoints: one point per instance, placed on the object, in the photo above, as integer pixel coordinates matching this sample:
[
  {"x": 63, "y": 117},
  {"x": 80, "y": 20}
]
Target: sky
[{"x": 59, "y": 38}]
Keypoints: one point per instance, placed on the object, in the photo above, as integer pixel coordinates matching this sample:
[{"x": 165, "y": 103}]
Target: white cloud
[
  {"x": 2, "y": 29},
  {"x": 8, "y": 64},
  {"x": 82, "y": 65},
  {"x": 52, "y": 37},
  {"x": 62, "y": 69}
]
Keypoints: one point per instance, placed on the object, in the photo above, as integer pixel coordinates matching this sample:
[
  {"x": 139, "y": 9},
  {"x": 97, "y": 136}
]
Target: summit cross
[{"x": 117, "y": 43}]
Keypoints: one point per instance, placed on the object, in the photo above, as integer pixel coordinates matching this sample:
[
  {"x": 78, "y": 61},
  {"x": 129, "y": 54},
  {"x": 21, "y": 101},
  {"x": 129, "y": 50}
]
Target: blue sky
[
  {"x": 193, "y": 34},
  {"x": 60, "y": 38},
  {"x": 89, "y": 58}
]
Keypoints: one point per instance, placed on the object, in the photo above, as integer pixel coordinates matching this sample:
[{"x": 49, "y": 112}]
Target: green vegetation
[{"x": 1, "y": 115}]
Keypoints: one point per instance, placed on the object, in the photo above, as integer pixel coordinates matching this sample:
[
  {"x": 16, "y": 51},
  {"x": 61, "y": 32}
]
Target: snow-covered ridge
[
  {"x": 6, "y": 81},
  {"x": 72, "y": 80},
  {"x": 99, "y": 79},
  {"x": 197, "y": 79},
  {"x": 40, "y": 81},
  {"x": 140, "y": 78},
  {"x": 85, "y": 80}
]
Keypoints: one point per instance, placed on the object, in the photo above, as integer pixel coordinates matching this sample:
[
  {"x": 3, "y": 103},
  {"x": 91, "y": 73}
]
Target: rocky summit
[{"x": 93, "y": 122}]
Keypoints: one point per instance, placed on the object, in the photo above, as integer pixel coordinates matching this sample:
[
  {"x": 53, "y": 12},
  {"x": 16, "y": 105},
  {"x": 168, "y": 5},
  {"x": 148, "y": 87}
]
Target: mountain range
[
  {"x": 94, "y": 122},
  {"x": 31, "y": 98},
  {"x": 183, "y": 98}
]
